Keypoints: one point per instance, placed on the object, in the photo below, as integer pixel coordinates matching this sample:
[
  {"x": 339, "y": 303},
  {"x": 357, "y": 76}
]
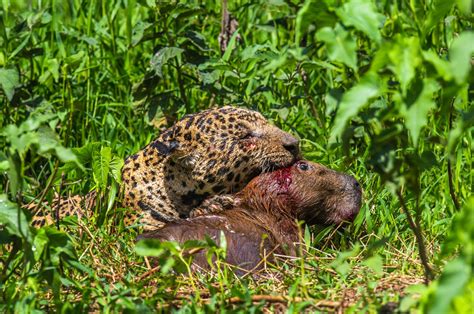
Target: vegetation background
[{"x": 380, "y": 89}]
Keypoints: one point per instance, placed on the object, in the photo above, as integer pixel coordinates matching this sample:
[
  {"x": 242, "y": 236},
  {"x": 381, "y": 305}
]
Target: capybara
[{"x": 262, "y": 218}]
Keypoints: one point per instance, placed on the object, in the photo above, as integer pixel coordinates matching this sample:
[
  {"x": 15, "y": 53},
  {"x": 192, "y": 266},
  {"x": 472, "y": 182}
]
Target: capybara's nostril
[
  {"x": 356, "y": 184},
  {"x": 352, "y": 184},
  {"x": 352, "y": 216}
]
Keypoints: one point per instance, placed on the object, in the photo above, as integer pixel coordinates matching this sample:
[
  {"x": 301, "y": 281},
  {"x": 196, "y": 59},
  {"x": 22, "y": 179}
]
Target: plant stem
[
  {"x": 39, "y": 205},
  {"x": 58, "y": 201},
  {"x": 419, "y": 239},
  {"x": 182, "y": 90},
  {"x": 451, "y": 186},
  {"x": 450, "y": 170}
]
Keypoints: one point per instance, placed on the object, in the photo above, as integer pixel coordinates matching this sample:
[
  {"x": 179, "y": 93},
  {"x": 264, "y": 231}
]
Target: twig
[
  {"x": 306, "y": 86},
  {"x": 273, "y": 299},
  {"x": 419, "y": 239},
  {"x": 451, "y": 186},
  {"x": 450, "y": 170},
  {"x": 147, "y": 262},
  {"x": 46, "y": 189},
  {"x": 223, "y": 36},
  {"x": 284, "y": 299},
  {"x": 58, "y": 201},
  {"x": 148, "y": 273},
  {"x": 228, "y": 28},
  {"x": 182, "y": 90}
]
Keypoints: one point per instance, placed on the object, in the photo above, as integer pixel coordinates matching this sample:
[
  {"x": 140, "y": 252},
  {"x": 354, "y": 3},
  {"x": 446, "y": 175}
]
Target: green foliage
[
  {"x": 9, "y": 80},
  {"x": 452, "y": 291},
  {"x": 13, "y": 220},
  {"x": 380, "y": 89}
]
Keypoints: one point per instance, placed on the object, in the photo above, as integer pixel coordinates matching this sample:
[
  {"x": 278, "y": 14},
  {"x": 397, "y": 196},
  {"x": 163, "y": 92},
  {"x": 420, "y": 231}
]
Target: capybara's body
[{"x": 261, "y": 219}]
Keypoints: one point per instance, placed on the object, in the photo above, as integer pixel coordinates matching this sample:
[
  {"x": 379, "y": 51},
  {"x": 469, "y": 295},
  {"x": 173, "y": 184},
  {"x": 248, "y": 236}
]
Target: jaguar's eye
[{"x": 303, "y": 166}]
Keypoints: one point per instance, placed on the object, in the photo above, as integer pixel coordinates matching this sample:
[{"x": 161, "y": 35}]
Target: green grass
[{"x": 386, "y": 98}]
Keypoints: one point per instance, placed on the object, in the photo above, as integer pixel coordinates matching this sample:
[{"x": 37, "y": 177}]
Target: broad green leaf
[
  {"x": 412, "y": 297},
  {"x": 223, "y": 241},
  {"x": 437, "y": 11},
  {"x": 459, "y": 239},
  {"x": 209, "y": 78},
  {"x": 60, "y": 245},
  {"x": 375, "y": 263},
  {"x": 48, "y": 142},
  {"x": 451, "y": 284},
  {"x": 86, "y": 152},
  {"x": 4, "y": 165},
  {"x": 278, "y": 63},
  {"x": 13, "y": 218},
  {"x": 463, "y": 123},
  {"x": 442, "y": 67},
  {"x": 452, "y": 292},
  {"x": 101, "y": 165},
  {"x": 9, "y": 80},
  {"x": 405, "y": 58},
  {"x": 112, "y": 196},
  {"x": 353, "y": 100},
  {"x": 12, "y": 167},
  {"x": 340, "y": 264},
  {"x": 52, "y": 69},
  {"x": 465, "y": 6},
  {"x": 230, "y": 46},
  {"x": 21, "y": 46},
  {"x": 259, "y": 52},
  {"x": 116, "y": 165},
  {"x": 66, "y": 155},
  {"x": 282, "y": 112},
  {"x": 75, "y": 58},
  {"x": 81, "y": 267},
  {"x": 39, "y": 243},
  {"x": 37, "y": 119},
  {"x": 416, "y": 114},
  {"x": 460, "y": 55},
  {"x": 307, "y": 236},
  {"x": 464, "y": 300},
  {"x": 168, "y": 264},
  {"x": 22, "y": 142},
  {"x": 198, "y": 40},
  {"x": 138, "y": 31},
  {"x": 363, "y": 15},
  {"x": 341, "y": 46},
  {"x": 314, "y": 13},
  {"x": 162, "y": 57},
  {"x": 149, "y": 247}
]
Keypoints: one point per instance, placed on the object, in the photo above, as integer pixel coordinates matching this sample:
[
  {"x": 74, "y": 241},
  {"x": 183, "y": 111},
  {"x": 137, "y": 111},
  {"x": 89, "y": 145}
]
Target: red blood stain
[
  {"x": 283, "y": 179},
  {"x": 250, "y": 145}
]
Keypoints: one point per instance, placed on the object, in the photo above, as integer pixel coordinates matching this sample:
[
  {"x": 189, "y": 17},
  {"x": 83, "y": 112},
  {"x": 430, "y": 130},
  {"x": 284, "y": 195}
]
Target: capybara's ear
[{"x": 156, "y": 234}]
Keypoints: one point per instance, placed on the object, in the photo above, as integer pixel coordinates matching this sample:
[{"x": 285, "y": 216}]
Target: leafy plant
[{"x": 380, "y": 89}]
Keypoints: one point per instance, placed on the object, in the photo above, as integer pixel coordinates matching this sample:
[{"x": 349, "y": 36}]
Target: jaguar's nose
[{"x": 291, "y": 144}]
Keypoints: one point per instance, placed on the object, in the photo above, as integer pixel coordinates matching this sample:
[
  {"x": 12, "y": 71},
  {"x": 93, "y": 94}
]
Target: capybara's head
[{"x": 307, "y": 191}]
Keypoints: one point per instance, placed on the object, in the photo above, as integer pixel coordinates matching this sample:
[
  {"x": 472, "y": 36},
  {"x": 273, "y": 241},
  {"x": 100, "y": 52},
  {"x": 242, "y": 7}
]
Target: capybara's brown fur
[{"x": 261, "y": 219}]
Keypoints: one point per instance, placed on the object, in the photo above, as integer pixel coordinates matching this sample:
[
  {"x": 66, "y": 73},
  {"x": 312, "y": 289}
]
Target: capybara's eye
[{"x": 303, "y": 166}]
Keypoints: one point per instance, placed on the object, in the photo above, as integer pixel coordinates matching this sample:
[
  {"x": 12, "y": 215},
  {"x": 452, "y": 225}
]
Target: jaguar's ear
[
  {"x": 166, "y": 148},
  {"x": 174, "y": 150}
]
